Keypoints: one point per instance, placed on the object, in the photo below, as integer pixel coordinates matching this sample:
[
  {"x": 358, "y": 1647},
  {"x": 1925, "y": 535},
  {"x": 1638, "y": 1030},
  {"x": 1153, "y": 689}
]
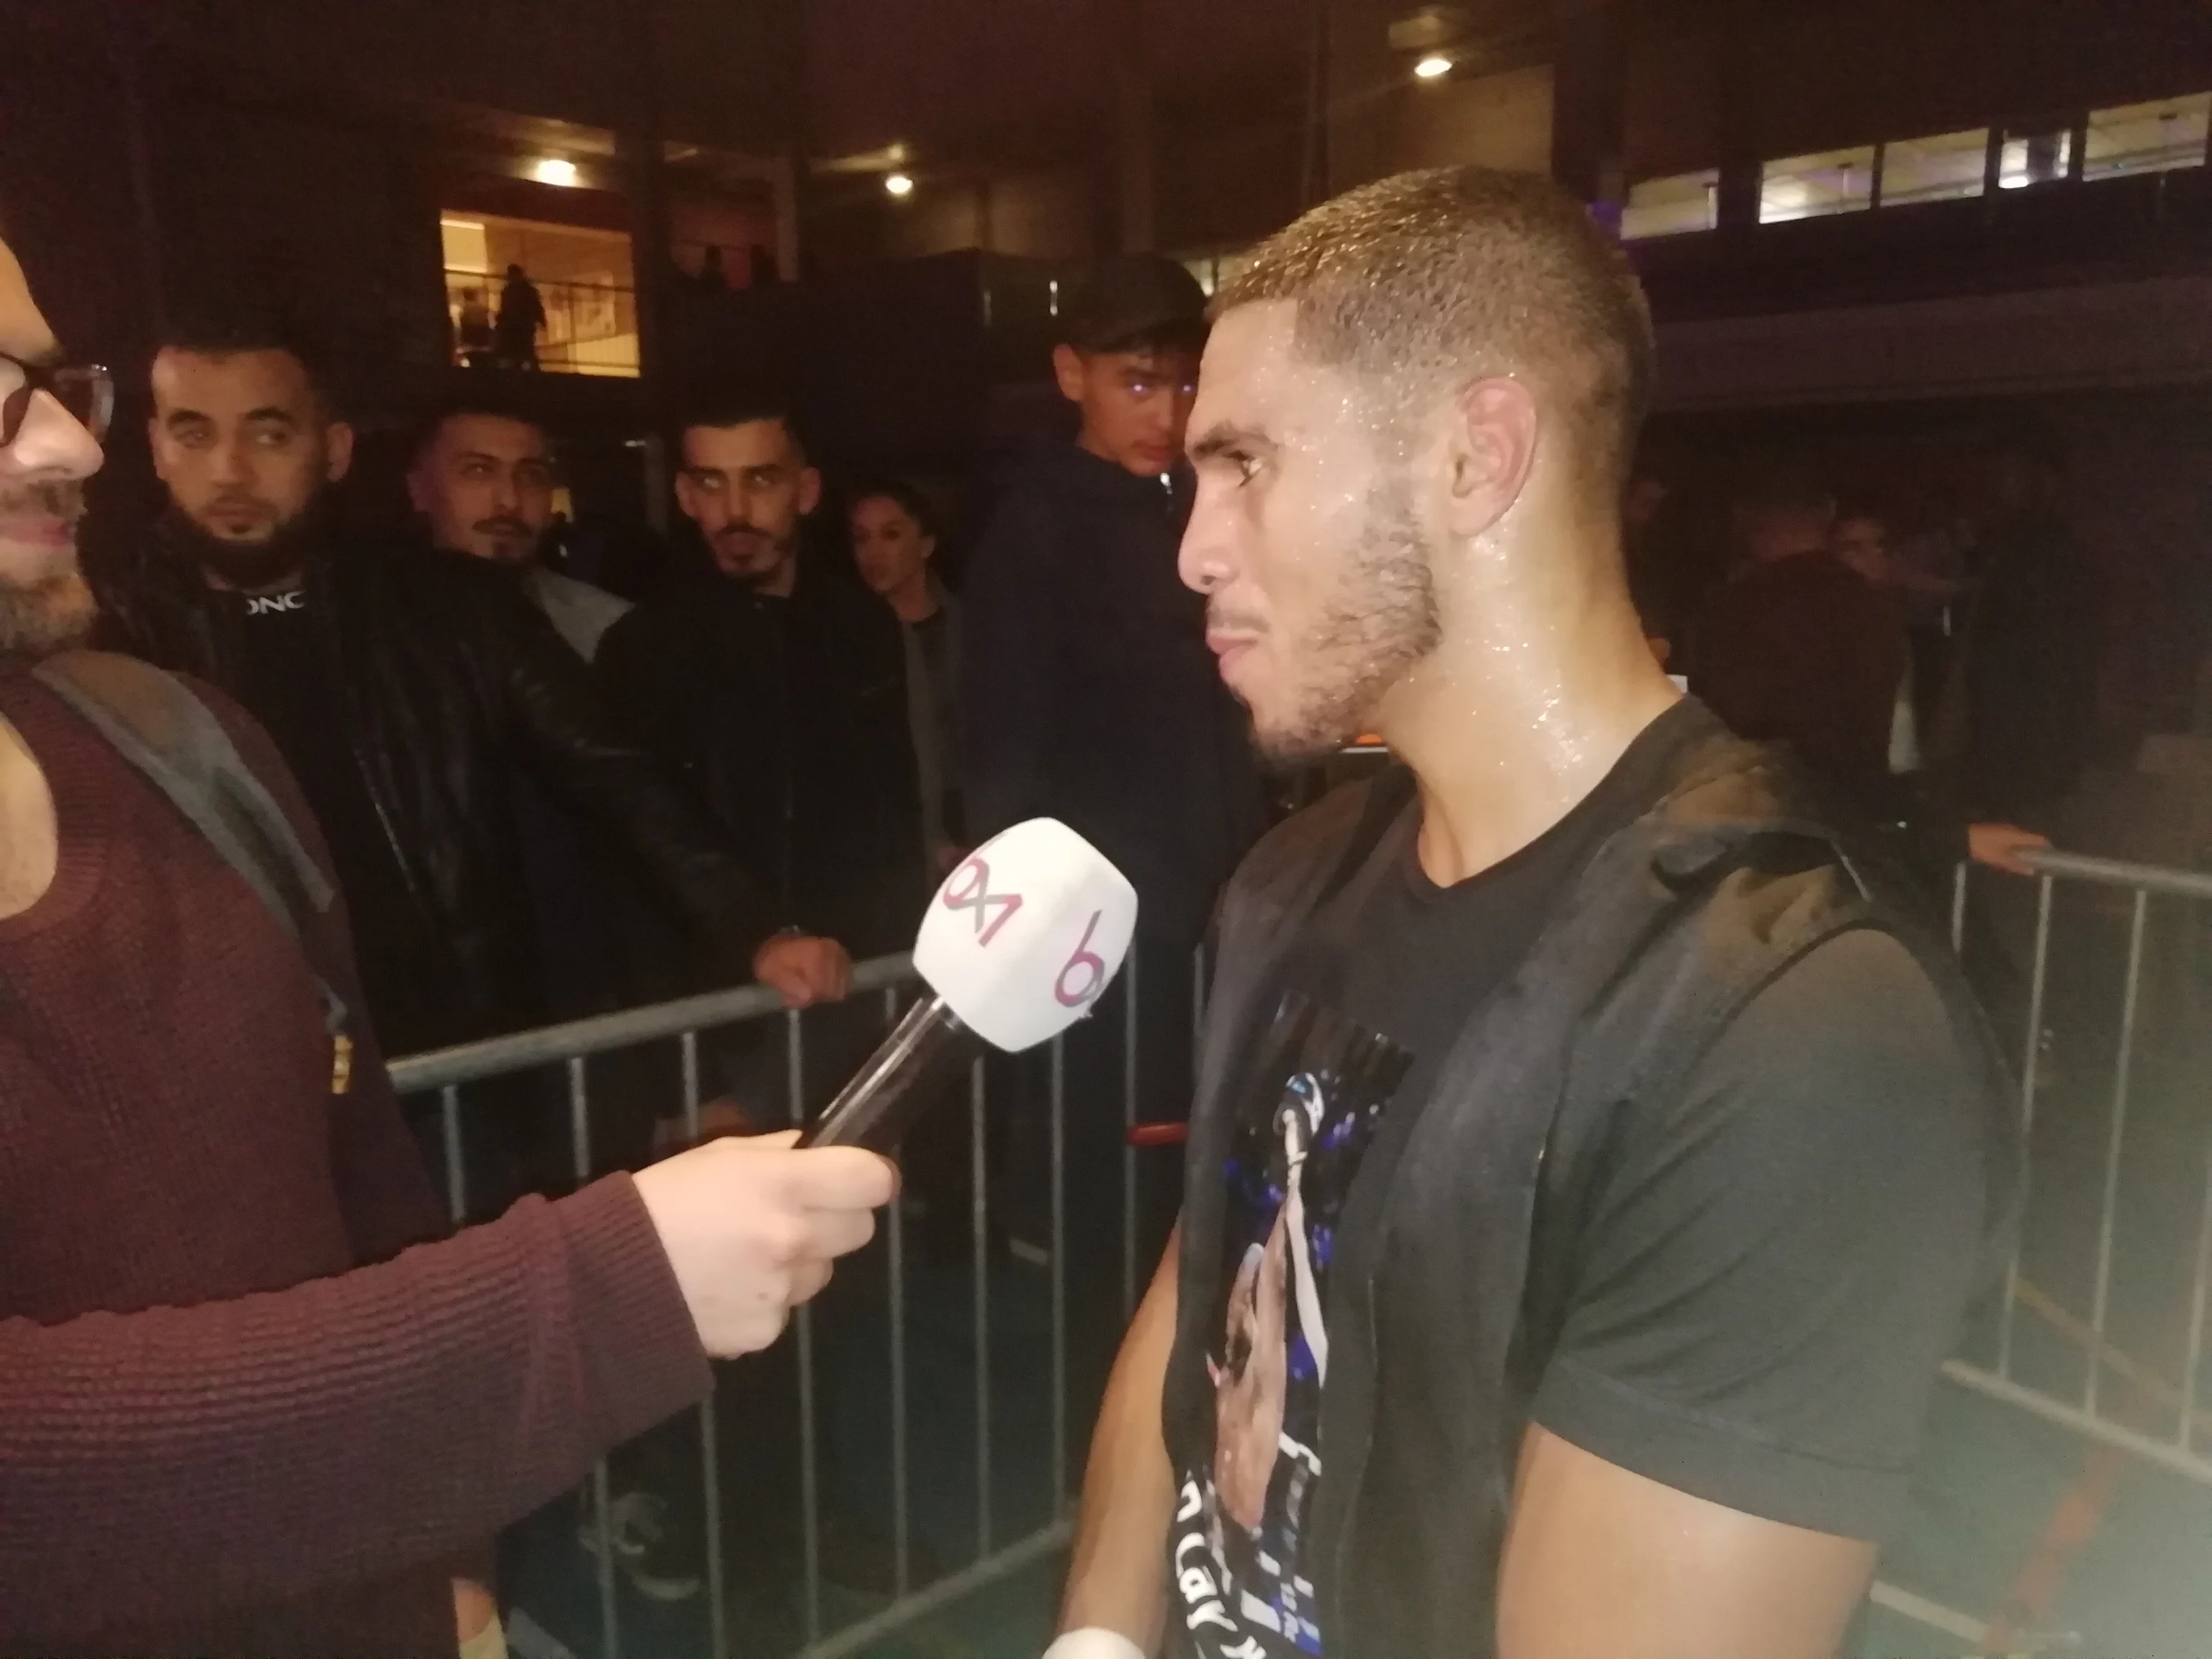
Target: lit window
[
  {"x": 583, "y": 283},
  {"x": 2034, "y": 158},
  {"x": 1948, "y": 167},
  {"x": 1672, "y": 206},
  {"x": 1812, "y": 187},
  {"x": 2155, "y": 138}
]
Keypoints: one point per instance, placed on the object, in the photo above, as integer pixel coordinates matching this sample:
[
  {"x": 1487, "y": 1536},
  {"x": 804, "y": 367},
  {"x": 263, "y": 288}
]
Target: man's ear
[
  {"x": 809, "y": 490},
  {"x": 337, "y": 445},
  {"x": 1492, "y": 449},
  {"x": 1068, "y": 367}
]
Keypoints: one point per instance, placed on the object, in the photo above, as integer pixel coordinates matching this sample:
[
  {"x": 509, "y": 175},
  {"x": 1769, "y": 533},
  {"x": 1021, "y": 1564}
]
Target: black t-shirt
[
  {"x": 289, "y": 683},
  {"x": 1769, "y": 1274}
]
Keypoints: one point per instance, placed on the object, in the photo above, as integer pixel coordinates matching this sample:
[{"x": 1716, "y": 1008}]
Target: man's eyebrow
[
  {"x": 1219, "y": 440},
  {"x": 270, "y": 412}
]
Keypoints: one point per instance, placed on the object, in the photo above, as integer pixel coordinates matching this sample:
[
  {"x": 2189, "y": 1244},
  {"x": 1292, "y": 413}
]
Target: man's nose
[
  {"x": 53, "y": 443},
  {"x": 1204, "y": 559},
  {"x": 506, "y": 499},
  {"x": 230, "y": 465}
]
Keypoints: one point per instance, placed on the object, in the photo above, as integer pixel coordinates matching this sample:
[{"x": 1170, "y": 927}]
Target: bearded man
[{"x": 1643, "y": 1278}]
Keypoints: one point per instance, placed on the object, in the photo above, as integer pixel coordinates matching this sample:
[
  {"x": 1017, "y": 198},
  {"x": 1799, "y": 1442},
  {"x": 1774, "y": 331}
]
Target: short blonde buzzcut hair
[{"x": 1421, "y": 284}]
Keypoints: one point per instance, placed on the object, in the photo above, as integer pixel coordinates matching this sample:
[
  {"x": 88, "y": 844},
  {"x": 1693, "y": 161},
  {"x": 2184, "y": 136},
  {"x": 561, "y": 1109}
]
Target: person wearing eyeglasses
[{"x": 239, "y": 1414}]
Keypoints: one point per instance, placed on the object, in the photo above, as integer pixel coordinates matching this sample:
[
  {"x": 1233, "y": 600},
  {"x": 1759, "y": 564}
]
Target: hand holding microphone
[{"x": 1019, "y": 944}]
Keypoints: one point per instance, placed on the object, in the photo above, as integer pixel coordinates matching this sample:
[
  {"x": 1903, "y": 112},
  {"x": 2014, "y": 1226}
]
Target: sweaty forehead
[
  {"x": 23, "y": 330},
  {"x": 1255, "y": 379},
  {"x": 233, "y": 384}
]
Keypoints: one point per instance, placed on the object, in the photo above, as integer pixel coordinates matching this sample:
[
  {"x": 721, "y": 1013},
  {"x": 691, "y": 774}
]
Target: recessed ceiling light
[
  {"x": 1434, "y": 67},
  {"x": 899, "y": 185},
  {"x": 554, "y": 171}
]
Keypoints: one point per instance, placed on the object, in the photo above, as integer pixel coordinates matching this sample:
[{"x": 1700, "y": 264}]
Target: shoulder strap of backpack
[{"x": 152, "y": 720}]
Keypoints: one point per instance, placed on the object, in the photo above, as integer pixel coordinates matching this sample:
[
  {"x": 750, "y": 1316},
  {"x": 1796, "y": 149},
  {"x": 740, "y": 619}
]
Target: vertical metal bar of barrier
[
  {"x": 1128, "y": 1129},
  {"x": 1058, "y": 1273},
  {"x": 579, "y": 1149},
  {"x": 1958, "y": 906},
  {"x": 2028, "y": 1078},
  {"x": 710, "y": 1445},
  {"x": 979, "y": 1219},
  {"x": 457, "y": 1189},
  {"x": 901, "y": 1542},
  {"x": 2122, "y": 1067},
  {"x": 810, "y": 1492},
  {"x": 2196, "y": 1313}
]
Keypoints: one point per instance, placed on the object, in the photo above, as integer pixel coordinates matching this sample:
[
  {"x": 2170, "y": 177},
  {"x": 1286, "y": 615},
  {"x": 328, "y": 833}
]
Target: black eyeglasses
[{"x": 86, "y": 390}]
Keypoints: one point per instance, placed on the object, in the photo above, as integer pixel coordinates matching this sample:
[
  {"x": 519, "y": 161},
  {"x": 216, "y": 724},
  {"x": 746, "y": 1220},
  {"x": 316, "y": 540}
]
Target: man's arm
[
  {"x": 1009, "y": 672},
  {"x": 161, "y": 1464},
  {"x": 1603, "y": 1564},
  {"x": 1774, "y": 1268},
  {"x": 1119, "y": 1577}
]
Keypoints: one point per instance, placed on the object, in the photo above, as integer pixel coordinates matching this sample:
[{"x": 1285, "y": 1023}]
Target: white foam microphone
[{"x": 1018, "y": 944}]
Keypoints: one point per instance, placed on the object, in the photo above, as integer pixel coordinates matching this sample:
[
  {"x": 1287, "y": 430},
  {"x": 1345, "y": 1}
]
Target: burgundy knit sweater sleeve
[{"x": 260, "y": 1448}]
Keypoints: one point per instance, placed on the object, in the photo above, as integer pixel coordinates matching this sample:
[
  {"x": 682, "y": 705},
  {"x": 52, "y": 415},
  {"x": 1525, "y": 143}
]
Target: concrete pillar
[
  {"x": 1365, "y": 81},
  {"x": 1137, "y": 217},
  {"x": 1589, "y": 88}
]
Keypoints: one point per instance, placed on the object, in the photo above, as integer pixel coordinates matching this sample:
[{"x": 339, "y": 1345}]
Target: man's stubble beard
[
  {"x": 54, "y": 612},
  {"x": 247, "y": 566},
  {"x": 1381, "y": 622}
]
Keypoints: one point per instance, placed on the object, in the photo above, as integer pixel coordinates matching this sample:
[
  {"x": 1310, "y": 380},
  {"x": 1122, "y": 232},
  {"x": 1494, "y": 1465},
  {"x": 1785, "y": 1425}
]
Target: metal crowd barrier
[
  {"x": 1995, "y": 1367},
  {"x": 2023, "y": 1365},
  {"x": 444, "y": 1074}
]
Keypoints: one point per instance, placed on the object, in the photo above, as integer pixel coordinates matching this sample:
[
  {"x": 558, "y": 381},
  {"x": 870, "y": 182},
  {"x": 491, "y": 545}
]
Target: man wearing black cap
[{"x": 1089, "y": 692}]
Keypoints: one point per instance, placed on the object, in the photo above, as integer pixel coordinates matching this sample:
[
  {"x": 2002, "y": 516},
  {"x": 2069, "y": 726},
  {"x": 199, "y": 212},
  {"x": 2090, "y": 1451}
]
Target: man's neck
[
  {"x": 779, "y": 584},
  {"x": 30, "y": 837},
  {"x": 914, "y": 601},
  {"x": 1508, "y": 726},
  {"x": 287, "y": 584}
]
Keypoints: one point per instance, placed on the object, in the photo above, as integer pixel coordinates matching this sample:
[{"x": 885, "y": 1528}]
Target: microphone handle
[{"x": 903, "y": 1076}]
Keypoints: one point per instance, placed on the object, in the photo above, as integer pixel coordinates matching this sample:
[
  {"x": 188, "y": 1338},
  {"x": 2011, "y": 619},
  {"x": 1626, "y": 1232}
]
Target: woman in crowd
[{"x": 895, "y": 542}]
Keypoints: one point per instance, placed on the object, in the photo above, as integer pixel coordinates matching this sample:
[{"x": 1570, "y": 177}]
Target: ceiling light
[
  {"x": 1433, "y": 67},
  {"x": 899, "y": 185},
  {"x": 554, "y": 171}
]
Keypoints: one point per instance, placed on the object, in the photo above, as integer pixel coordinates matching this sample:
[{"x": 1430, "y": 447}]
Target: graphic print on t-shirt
[{"x": 1319, "y": 1085}]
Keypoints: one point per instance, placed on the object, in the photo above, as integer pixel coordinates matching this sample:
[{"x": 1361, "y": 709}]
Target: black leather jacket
[{"x": 449, "y": 681}]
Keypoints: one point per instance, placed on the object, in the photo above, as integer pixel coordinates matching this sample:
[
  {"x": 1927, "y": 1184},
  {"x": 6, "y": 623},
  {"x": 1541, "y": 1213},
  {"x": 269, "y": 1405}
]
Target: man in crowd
[
  {"x": 1798, "y": 648},
  {"x": 1634, "y": 990},
  {"x": 233, "y": 1416},
  {"x": 777, "y": 689},
  {"x": 405, "y": 689},
  {"x": 895, "y": 546},
  {"x": 1089, "y": 697},
  {"x": 482, "y": 476},
  {"x": 1089, "y": 694}
]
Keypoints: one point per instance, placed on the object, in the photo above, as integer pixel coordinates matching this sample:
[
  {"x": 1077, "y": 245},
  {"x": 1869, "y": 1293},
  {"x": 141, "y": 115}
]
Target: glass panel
[
  {"x": 1947, "y": 167},
  {"x": 1670, "y": 206},
  {"x": 2154, "y": 137},
  {"x": 585, "y": 282},
  {"x": 1809, "y": 186},
  {"x": 2034, "y": 158}
]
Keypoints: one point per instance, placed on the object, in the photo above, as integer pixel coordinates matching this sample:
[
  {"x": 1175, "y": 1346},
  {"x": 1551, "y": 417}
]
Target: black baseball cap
[{"x": 1134, "y": 300}]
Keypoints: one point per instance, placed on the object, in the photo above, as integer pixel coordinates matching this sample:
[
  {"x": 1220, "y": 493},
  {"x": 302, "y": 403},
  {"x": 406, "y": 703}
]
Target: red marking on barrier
[{"x": 1146, "y": 1135}]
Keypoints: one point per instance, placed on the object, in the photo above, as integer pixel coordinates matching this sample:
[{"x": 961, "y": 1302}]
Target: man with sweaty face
[
  {"x": 1640, "y": 1286},
  {"x": 406, "y": 690}
]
